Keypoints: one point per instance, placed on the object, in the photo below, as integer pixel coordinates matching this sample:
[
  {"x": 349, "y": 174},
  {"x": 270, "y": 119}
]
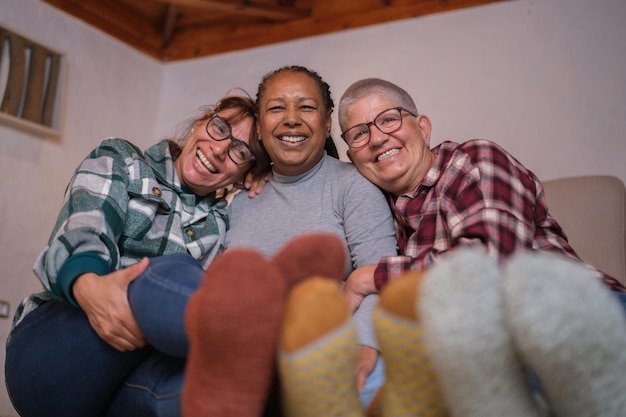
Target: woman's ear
[
  {"x": 198, "y": 125},
  {"x": 425, "y": 127},
  {"x": 329, "y": 124}
]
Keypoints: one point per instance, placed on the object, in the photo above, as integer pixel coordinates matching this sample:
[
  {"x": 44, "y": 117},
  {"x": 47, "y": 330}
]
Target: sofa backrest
[{"x": 592, "y": 212}]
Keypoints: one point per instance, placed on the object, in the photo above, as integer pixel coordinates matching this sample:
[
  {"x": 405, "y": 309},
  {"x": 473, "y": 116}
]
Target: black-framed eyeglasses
[
  {"x": 238, "y": 151},
  {"x": 387, "y": 121}
]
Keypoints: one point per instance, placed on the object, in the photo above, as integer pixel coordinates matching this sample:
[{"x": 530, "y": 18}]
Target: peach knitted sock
[
  {"x": 411, "y": 387},
  {"x": 233, "y": 322},
  {"x": 318, "y": 352}
]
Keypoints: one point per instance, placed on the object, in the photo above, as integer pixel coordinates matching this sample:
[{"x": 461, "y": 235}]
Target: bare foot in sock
[
  {"x": 411, "y": 387},
  {"x": 471, "y": 349},
  {"x": 233, "y": 322},
  {"x": 318, "y": 351},
  {"x": 571, "y": 330},
  {"x": 318, "y": 254}
]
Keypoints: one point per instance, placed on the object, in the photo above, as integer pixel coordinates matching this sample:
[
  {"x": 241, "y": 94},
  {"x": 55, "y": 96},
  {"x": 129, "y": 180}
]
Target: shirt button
[
  {"x": 190, "y": 233},
  {"x": 156, "y": 192}
]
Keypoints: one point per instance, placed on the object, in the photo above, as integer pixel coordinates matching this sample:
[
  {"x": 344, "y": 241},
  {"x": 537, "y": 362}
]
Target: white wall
[
  {"x": 544, "y": 78},
  {"x": 110, "y": 91}
]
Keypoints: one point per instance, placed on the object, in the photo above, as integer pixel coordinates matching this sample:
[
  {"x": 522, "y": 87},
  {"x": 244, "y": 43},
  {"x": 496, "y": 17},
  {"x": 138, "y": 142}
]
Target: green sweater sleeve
[{"x": 75, "y": 266}]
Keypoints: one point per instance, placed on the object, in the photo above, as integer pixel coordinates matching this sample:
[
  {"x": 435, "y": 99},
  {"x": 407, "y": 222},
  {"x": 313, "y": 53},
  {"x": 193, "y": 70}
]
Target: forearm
[{"x": 364, "y": 323}]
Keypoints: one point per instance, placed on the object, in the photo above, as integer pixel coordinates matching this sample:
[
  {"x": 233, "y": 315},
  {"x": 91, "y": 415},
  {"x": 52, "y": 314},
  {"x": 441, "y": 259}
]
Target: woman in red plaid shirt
[
  {"x": 456, "y": 194},
  {"x": 478, "y": 199}
]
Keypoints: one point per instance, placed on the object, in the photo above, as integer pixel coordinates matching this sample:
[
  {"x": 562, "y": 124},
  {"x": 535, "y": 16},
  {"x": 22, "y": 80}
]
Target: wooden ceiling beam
[
  {"x": 266, "y": 12},
  {"x": 169, "y": 24}
]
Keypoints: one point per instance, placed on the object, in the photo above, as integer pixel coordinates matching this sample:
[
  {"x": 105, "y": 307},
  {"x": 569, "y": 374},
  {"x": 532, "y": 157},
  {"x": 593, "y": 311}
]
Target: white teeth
[
  {"x": 209, "y": 167},
  {"x": 292, "y": 139},
  {"x": 385, "y": 155}
]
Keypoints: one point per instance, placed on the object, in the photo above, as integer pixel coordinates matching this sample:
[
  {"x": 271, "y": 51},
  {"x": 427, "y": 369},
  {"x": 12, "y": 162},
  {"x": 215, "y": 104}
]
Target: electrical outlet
[{"x": 4, "y": 309}]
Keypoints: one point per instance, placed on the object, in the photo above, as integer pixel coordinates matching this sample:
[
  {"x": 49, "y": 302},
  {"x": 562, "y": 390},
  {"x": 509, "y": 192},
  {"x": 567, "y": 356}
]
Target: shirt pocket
[{"x": 149, "y": 207}]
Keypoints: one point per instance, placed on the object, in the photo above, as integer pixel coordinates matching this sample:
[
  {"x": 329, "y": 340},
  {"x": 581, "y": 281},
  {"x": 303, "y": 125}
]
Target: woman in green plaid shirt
[{"x": 77, "y": 344}]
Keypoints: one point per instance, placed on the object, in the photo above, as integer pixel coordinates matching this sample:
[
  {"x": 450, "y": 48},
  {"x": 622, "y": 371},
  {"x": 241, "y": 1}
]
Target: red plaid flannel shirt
[{"x": 475, "y": 194}]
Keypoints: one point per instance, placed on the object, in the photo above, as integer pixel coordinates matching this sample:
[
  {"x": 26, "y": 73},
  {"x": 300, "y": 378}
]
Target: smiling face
[
  {"x": 293, "y": 122},
  {"x": 396, "y": 162},
  {"x": 203, "y": 165}
]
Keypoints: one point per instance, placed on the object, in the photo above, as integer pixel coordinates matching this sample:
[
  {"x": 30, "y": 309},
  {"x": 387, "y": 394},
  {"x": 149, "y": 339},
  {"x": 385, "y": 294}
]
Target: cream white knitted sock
[
  {"x": 571, "y": 330},
  {"x": 470, "y": 347}
]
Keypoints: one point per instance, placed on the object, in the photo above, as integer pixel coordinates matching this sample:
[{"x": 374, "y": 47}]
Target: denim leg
[
  {"x": 158, "y": 299},
  {"x": 373, "y": 383},
  {"x": 152, "y": 390},
  {"x": 57, "y": 366}
]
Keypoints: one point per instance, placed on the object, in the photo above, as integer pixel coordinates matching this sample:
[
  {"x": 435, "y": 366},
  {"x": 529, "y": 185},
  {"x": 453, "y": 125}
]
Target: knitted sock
[
  {"x": 233, "y": 323},
  {"x": 410, "y": 388},
  {"x": 318, "y": 352},
  {"x": 316, "y": 254},
  {"x": 309, "y": 255},
  {"x": 471, "y": 349},
  {"x": 571, "y": 331}
]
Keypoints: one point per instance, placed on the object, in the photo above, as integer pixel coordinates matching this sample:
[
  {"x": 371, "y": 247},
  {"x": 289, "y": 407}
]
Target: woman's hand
[
  {"x": 358, "y": 285},
  {"x": 254, "y": 185},
  {"x": 365, "y": 364},
  {"x": 104, "y": 299}
]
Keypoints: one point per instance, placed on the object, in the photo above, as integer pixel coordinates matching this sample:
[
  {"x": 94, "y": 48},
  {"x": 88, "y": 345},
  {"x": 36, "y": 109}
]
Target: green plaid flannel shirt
[{"x": 123, "y": 204}]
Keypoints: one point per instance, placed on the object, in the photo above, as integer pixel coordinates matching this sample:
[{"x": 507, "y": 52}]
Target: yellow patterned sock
[
  {"x": 411, "y": 387},
  {"x": 318, "y": 352}
]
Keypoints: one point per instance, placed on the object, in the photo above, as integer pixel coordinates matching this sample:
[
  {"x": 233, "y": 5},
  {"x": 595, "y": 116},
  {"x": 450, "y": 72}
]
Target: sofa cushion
[{"x": 592, "y": 212}]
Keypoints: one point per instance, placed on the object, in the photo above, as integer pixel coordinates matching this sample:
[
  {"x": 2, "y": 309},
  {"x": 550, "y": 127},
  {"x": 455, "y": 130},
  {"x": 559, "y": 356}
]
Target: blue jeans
[
  {"x": 373, "y": 383},
  {"x": 56, "y": 365}
]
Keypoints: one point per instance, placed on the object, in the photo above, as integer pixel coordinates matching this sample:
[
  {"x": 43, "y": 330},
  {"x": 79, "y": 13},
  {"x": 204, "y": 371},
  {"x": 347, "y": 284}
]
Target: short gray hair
[{"x": 373, "y": 86}]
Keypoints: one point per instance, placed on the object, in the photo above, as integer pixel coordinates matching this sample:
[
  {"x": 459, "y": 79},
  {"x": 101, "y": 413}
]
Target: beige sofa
[{"x": 592, "y": 212}]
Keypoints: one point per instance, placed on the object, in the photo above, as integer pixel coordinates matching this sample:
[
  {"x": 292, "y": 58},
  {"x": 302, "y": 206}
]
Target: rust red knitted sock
[{"x": 233, "y": 322}]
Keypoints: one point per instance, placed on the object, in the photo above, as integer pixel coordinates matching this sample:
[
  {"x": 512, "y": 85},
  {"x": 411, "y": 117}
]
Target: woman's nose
[
  {"x": 292, "y": 116},
  {"x": 377, "y": 137},
  {"x": 220, "y": 148}
]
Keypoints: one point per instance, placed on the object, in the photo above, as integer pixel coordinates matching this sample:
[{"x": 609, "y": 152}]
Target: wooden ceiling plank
[
  {"x": 195, "y": 43},
  {"x": 308, "y": 27},
  {"x": 119, "y": 22},
  {"x": 171, "y": 37},
  {"x": 267, "y": 12}
]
